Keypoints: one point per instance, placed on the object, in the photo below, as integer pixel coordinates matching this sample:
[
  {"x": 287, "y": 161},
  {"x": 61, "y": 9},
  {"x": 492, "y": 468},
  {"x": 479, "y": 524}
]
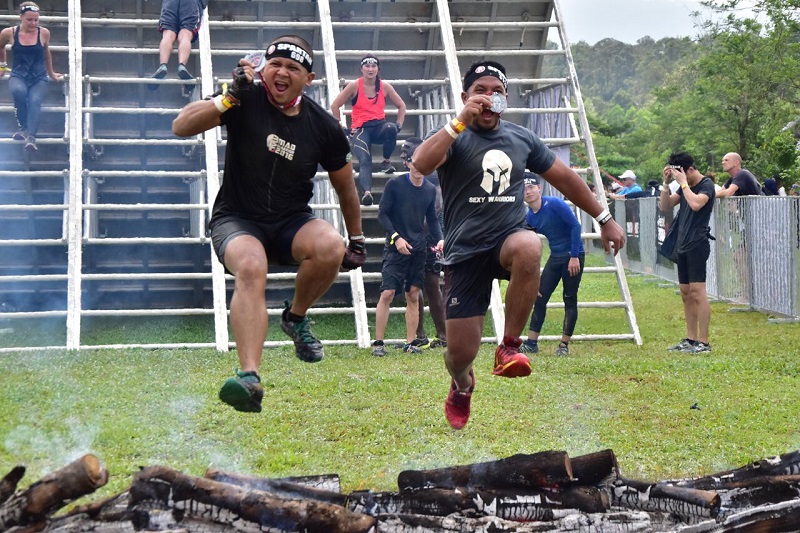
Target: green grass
[{"x": 368, "y": 418}]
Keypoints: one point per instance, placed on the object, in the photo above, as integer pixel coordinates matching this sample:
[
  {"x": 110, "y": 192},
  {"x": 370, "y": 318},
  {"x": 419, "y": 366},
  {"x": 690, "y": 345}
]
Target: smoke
[{"x": 51, "y": 450}]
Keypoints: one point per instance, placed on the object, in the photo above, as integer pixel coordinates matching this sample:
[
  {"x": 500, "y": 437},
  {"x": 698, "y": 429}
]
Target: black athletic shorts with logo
[
  {"x": 276, "y": 238},
  {"x": 468, "y": 284}
]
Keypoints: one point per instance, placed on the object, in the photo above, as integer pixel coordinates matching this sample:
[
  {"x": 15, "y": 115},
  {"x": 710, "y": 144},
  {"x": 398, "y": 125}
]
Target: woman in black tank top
[{"x": 31, "y": 69}]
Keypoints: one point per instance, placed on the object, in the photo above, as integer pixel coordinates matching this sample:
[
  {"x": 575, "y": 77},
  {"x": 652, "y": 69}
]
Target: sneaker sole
[
  {"x": 238, "y": 397},
  {"x": 514, "y": 369}
]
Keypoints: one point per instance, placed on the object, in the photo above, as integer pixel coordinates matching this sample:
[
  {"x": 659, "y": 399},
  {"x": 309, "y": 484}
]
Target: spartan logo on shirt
[
  {"x": 496, "y": 179},
  {"x": 278, "y": 146}
]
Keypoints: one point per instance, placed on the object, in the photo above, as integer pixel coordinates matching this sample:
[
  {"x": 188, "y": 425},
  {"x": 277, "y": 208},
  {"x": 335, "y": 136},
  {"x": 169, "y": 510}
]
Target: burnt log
[
  {"x": 595, "y": 468},
  {"x": 201, "y": 498},
  {"x": 36, "y": 503},
  {"x": 565, "y": 521},
  {"x": 784, "y": 516},
  {"x": 280, "y": 488},
  {"x": 8, "y": 485},
  {"x": 543, "y": 470},
  {"x": 787, "y": 464},
  {"x": 510, "y": 505},
  {"x": 687, "y": 503}
]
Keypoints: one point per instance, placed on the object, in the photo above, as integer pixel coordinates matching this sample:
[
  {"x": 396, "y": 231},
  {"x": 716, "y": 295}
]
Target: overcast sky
[{"x": 629, "y": 20}]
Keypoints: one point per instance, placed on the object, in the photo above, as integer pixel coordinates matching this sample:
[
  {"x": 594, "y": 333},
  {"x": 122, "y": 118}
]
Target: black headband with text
[
  {"x": 483, "y": 69},
  {"x": 290, "y": 51}
]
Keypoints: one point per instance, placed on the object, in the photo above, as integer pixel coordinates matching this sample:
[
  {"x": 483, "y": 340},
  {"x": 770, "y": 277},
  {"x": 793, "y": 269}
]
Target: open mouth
[{"x": 281, "y": 87}]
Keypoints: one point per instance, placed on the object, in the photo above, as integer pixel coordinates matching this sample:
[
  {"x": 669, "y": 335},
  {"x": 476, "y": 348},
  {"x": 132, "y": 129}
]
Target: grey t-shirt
[{"x": 482, "y": 189}]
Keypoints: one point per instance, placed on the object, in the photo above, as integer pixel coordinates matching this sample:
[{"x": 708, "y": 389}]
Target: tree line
[{"x": 733, "y": 88}]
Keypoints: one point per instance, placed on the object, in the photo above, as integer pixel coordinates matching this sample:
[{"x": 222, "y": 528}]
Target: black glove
[
  {"x": 354, "y": 255},
  {"x": 239, "y": 84}
]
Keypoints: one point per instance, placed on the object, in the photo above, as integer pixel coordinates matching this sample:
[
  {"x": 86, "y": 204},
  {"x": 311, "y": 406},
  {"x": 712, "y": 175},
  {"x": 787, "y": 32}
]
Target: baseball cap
[
  {"x": 615, "y": 186},
  {"x": 628, "y": 174},
  {"x": 529, "y": 178}
]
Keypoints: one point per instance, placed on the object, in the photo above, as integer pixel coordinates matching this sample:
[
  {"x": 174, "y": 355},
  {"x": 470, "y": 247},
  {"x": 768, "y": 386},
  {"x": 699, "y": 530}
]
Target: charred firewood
[
  {"x": 687, "y": 503},
  {"x": 163, "y": 488},
  {"x": 594, "y": 468},
  {"x": 565, "y": 521},
  {"x": 329, "y": 482},
  {"x": 520, "y": 506},
  {"x": 36, "y": 503},
  {"x": 110, "y": 509},
  {"x": 280, "y": 488},
  {"x": 787, "y": 464},
  {"x": 784, "y": 516},
  {"x": 9, "y": 483},
  {"x": 550, "y": 469}
]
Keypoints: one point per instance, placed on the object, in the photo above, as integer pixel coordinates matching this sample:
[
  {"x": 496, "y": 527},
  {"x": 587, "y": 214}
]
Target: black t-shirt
[
  {"x": 694, "y": 226},
  {"x": 271, "y": 158},
  {"x": 403, "y": 209},
  {"x": 747, "y": 183}
]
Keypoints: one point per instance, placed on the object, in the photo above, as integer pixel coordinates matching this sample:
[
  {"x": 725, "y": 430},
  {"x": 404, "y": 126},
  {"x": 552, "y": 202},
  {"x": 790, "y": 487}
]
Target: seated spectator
[
  {"x": 179, "y": 20},
  {"x": 653, "y": 188},
  {"x": 32, "y": 67},
  {"x": 368, "y": 124},
  {"x": 628, "y": 179}
]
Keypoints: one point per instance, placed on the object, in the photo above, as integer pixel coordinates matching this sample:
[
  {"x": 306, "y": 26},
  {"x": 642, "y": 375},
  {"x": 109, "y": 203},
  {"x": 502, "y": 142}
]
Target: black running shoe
[
  {"x": 243, "y": 392},
  {"x": 306, "y": 346}
]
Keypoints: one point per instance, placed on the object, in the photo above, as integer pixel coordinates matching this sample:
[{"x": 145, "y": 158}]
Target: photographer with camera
[
  {"x": 696, "y": 197},
  {"x": 276, "y": 139}
]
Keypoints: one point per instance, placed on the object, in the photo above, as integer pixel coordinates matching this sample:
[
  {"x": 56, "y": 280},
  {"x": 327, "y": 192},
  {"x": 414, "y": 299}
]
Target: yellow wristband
[
  {"x": 394, "y": 236},
  {"x": 458, "y": 126},
  {"x": 223, "y": 103},
  {"x": 684, "y": 185}
]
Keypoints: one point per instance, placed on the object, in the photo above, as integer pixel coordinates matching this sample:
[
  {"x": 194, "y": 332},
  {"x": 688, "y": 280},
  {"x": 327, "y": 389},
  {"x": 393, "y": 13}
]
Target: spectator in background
[
  {"x": 553, "y": 218},
  {"x": 407, "y": 202},
  {"x": 179, "y": 20},
  {"x": 31, "y": 69},
  {"x": 630, "y": 186},
  {"x": 433, "y": 267},
  {"x": 696, "y": 198},
  {"x": 773, "y": 187},
  {"x": 653, "y": 188},
  {"x": 741, "y": 181},
  {"x": 368, "y": 125}
]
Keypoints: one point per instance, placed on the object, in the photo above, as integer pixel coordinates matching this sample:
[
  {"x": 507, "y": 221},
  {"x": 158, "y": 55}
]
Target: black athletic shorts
[
  {"x": 400, "y": 272},
  {"x": 276, "y": 238},
  {"x": 468, "y": 284},
  {"x": 692, "y": 264}
]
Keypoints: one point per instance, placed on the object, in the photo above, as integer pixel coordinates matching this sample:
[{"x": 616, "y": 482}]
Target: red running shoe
[
  {"x": 457, "y": 404},
  {"x": 509, "y": 363}
]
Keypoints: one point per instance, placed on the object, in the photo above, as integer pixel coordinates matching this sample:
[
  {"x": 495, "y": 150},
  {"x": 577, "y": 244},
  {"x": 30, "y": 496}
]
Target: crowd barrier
[{"x": 755, "y": 257}]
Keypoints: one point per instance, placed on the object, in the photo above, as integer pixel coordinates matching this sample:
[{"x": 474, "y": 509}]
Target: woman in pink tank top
[{"x": 368, "y": 126}]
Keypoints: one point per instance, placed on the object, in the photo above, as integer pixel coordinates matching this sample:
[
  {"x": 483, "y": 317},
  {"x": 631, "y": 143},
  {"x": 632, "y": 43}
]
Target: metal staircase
[{"x": 136, "y": 198}]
